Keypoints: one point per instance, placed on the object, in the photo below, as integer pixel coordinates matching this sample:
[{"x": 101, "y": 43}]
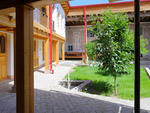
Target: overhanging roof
[
  {"x": 8, "y": 6},
  {"x": 116, "y": 7}
]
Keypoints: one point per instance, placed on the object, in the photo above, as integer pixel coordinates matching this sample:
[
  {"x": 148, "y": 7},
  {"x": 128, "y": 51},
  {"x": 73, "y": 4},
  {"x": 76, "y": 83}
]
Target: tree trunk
[{"x": 115, "y": 85}]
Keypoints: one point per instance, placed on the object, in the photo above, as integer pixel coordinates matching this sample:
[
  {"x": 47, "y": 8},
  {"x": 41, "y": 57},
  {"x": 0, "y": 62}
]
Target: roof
[{"x": 124, "y": 5}]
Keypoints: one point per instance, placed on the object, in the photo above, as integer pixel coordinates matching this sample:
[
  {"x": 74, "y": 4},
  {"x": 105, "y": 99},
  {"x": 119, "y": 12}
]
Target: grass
[{"x": 103, "y": 83}]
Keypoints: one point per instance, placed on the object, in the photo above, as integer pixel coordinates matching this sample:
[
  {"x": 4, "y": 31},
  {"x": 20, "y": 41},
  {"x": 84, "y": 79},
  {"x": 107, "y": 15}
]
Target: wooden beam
[
  {"x": 63, "y": 51},
  {"x": 32, "y": 3},
  {"x": 47, "y": 56},
  {"x": 40, "y": 36},
  {"x": 142, "y": 14},
  {"x": 66, "y": 7},
  {"x": 79, "y": 19},
  {"x": 40, "y": 3},
  {"x": 24, "y": 59},
  {"x": 5, "y": 21},
  {"x": 7, "y": 11},
  {"x": 41, "y": 27}
]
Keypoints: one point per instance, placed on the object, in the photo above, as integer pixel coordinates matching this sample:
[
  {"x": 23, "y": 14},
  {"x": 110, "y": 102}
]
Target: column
[
  {"x": 14, "y": 87},
  {"x": 24, "y": 59},
  {"x": 63, "y": 51},
  {"x": 47, "y": 56},
  {"x": 137, "y": 56},
  {"x": 85, "y": 34},
  {"x": 51, "y": 42},
  {"x": 57, "y": 52}
]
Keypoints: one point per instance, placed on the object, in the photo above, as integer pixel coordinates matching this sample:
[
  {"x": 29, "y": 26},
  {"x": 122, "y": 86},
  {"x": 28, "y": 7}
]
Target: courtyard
[{"x": 50, "y": 97}]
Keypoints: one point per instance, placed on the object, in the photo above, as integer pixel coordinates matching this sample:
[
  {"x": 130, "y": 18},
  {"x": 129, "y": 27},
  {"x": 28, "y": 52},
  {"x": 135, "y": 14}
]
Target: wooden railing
[
  {"x": 36, "y": 60},
  {"x": 74, "y": 54}
]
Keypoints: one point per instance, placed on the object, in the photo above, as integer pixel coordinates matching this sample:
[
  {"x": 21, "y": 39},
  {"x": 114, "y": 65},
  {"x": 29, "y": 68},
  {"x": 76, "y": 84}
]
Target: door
[
  {"x": 3, "y": 57},
  {"x": 77, "y": 47}
]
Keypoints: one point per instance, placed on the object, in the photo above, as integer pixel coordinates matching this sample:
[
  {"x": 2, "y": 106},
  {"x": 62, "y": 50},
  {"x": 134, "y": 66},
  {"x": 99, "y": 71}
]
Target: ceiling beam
[{"x": 8, "y": 6}]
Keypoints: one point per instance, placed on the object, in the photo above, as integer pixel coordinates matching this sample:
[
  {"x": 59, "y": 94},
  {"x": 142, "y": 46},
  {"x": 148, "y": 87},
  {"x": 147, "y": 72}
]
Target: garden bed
[
  {"x": 103, "y": 83},
  {"x": 77, "y": 85}
]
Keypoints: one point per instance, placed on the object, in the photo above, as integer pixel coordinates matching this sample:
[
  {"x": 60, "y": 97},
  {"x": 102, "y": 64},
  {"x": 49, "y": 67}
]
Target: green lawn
[{"x": 102, "y": 83}]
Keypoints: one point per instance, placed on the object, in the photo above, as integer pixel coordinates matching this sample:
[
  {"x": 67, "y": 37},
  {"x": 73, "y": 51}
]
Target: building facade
[
  {"x": 41, "y": 38},
  {"x": 77, "y": 33}
]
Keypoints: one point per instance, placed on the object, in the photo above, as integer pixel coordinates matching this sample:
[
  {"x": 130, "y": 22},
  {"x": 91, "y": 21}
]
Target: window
[
  {"x": 58, "y": 20},
  {"x": 70, "y": 47},
  {"x": 53, "y": 25},
  {"x": 43, "y": 11},
  {"x": 53, "y": 6},
  {"x": 2, "y": 44},
  {"x": 89, "y": 34}
]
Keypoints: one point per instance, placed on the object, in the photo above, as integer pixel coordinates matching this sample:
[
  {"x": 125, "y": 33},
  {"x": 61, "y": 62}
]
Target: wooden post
[
  {"x": 51, "y": 42},
  {"x": 47, "y": 56},
  {"x": 137, "y": 56},
  {"x": 85, "y": 35},
  {"x": 24, "y": 59},
  {"x": 63, "y": 51},
  {"x": 14, "y": 87},
  {"x": 57, "y": 52}
]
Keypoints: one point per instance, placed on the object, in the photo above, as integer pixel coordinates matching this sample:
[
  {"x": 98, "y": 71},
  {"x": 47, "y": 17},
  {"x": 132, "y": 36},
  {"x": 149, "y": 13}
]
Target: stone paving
[{"x": 52, "y": 98}]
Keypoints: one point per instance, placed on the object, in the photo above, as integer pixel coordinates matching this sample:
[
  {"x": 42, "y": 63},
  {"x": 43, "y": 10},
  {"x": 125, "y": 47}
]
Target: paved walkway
[{"x": 52, "y": 98}]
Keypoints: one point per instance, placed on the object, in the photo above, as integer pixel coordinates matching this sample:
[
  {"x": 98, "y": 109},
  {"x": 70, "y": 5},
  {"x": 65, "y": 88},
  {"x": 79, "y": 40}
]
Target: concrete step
[{"x": 145, "y": 62}]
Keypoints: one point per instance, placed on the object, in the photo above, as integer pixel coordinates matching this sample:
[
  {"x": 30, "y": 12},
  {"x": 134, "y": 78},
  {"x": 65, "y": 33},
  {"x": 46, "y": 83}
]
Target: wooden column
[
  {"x": 24, "y": 59},
  {"x": 14, "y": 87},
  {"x": 57, "y": 52},
  {"x": 85, "y": 35},
  {"x": 137, "y": 56},
  {"x": 63, "y": 51},
  {"x": 47, "y": 56},
  {"x": 51, "y": 41}
]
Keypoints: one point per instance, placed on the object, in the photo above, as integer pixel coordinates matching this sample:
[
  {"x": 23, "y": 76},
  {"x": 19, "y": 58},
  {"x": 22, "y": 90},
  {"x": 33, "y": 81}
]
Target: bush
[{"x": 91, "y": 50}]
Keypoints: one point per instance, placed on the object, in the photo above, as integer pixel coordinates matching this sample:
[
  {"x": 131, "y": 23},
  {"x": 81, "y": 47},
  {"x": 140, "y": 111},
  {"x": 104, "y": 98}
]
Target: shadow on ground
[
  {"x": 101, "y": 87},
  {"x": 63, "y": 102}
]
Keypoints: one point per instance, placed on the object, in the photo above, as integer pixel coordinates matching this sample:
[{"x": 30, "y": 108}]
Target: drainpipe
[
  {"x": 137, "y": 56},
  {"x": 85, "y": 33},
  {"x": 51, "y": 70}
]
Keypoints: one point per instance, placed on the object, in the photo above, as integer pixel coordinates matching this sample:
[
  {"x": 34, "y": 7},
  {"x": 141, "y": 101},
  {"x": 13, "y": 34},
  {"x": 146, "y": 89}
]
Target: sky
[{"x": 89, "y": 2}]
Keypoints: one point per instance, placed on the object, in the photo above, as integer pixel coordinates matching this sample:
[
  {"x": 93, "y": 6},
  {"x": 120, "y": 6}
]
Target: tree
[
  {"x": 116, "y": 45},
  {"x": 91, "y": 50}
]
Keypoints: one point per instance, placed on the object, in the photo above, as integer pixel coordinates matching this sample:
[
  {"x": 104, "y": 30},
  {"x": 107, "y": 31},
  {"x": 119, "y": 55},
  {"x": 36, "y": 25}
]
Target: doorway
[{"x": 3, "y": 57}]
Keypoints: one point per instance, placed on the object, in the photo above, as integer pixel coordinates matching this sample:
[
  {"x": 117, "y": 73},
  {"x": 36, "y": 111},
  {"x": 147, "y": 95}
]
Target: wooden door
[{"x": 3, "y": 57}]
